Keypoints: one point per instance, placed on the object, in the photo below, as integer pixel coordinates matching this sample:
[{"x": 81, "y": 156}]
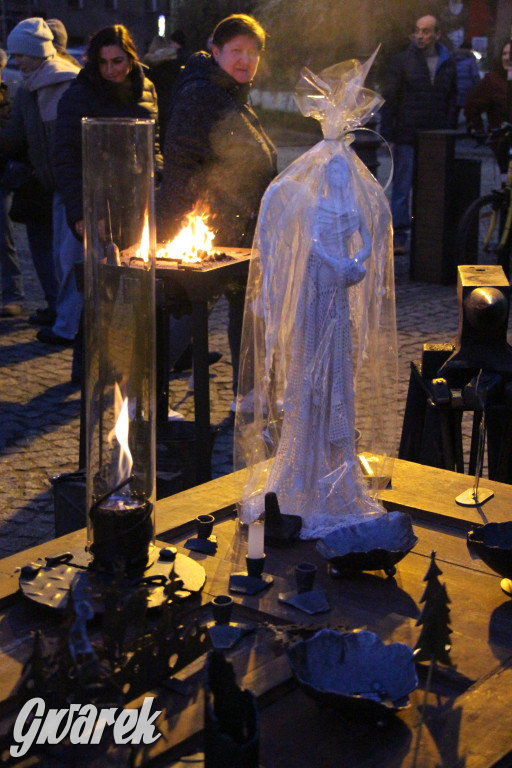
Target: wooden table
[{"x": 469, "y": 712}]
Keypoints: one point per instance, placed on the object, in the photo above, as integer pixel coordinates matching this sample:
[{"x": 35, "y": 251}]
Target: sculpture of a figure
[
  {"x": 315, "y": 472},
  {"x": 318, "y": 362}
]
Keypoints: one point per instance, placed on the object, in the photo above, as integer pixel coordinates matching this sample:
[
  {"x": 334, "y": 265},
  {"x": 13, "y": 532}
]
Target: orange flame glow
[
  {"x": 143, "y": 249},
  {"x": 120, "y": 432},
  {"x": 195, "y": 238}
]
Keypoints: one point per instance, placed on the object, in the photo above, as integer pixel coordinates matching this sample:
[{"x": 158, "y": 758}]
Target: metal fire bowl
[
  {"x": 374, "y": 544},
  {"x": 492, "y": 543},
  {"x": 50, "y": 581},
  {"x": 198, "y": 282},
  {"x": 355, "y": 670}
]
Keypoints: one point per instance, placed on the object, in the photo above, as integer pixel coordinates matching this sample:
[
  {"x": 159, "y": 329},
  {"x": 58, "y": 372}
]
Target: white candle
[{"x": 256, "y": 540}]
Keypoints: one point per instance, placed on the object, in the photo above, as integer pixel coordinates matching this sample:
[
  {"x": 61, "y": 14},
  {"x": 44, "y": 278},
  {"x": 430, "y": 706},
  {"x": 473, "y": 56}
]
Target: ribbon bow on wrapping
[{"x": 337, "y": 98}]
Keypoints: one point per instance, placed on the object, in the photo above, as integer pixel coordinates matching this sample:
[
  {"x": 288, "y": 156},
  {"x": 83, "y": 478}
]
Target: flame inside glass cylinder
[
  {"x": 193, "y": 243},
  {"x": 120, "y": 432},
  {"x": 143, "y": 249}
]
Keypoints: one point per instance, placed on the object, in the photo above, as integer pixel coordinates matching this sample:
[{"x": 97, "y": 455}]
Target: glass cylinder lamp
[{"x": 119, "y": 324}]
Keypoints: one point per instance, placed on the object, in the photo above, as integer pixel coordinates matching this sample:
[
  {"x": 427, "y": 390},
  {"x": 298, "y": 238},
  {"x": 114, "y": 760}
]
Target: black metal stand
[
  {"x": 194, "y": 289},
  {"x": 252, "y": 581}
]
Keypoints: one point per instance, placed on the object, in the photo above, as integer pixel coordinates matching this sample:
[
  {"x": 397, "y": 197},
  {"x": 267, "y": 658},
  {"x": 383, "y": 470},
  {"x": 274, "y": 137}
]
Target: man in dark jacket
[
  {"x": 420, "y": 92},
  {"x": 164, "y": 60}
]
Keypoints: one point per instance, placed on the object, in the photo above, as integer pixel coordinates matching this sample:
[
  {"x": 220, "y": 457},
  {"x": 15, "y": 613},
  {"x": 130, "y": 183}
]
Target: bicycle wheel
[{"x": 480, "y": 231}]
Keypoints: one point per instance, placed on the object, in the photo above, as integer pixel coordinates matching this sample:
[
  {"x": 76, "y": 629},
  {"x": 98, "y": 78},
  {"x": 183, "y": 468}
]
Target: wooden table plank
[{"x": 429, "y": 493}]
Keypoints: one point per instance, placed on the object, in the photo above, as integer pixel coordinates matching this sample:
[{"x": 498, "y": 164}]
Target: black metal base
[
  {"x": 311, "y": 602},
  {"x": 205, "y": 546},
  {"x": 49, "y": 582},
  {"x": 244, "y": 584},
  {"x": 225, "y": 636}
]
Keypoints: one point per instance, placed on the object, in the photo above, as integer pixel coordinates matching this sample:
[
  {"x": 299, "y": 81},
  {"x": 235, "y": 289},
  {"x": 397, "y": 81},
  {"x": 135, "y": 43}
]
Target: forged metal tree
[{"x": 433, "y": 643}]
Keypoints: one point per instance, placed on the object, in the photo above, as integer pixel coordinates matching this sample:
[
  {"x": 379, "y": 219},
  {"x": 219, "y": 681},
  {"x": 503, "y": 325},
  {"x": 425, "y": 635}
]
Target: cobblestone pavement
[{"x": 40, "y": 407}]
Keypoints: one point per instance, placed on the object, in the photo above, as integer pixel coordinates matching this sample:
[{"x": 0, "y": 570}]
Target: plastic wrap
[{"x": 316, "y": 408}]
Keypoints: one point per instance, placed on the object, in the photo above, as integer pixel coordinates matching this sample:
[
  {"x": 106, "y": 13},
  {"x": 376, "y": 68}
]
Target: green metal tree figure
[{"x": 433, "y": 644}]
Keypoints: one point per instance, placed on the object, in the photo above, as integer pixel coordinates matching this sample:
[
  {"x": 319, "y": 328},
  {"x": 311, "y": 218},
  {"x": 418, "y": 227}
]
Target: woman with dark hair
[
  {"x": 111, "y": 84},
  {"x": 489, "y": 96},
  {"x": 216, "y": 152}
]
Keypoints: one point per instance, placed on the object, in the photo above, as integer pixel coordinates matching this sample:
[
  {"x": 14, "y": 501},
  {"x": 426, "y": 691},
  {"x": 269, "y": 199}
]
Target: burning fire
[
  {"x": 193, "y": 243},
  {"x": 143, "y": 249},
  {"x": 120, "y": 432}
]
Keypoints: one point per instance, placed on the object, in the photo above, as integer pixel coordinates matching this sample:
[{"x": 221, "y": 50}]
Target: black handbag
[{"x": 31, "y": 201}]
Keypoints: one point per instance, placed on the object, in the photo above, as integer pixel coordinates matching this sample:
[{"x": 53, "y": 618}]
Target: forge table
[
  {"x": 182, "y": 289},
  {"x": 469, "y": 710}
]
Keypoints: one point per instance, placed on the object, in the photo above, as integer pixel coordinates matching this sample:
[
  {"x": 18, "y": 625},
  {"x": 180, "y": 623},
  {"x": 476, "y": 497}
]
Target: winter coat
[
  {"x": 29, "y": 133},
  {"x": 5, "y": 108},
  {"x": 92, "y": 96},
  {"x": 489, "y": 97},
  {"x": 216, "y": 153},
  {"x": 5, "y": 104},
  {"x": 164, "y": 66},
  {"x": 413, "y": 103},
  {"x": 467, "y": 74}
]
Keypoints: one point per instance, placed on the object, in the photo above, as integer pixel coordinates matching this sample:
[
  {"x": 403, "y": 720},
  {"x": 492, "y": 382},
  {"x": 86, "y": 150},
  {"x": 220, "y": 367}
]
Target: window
[
  {"x": 150, "y": 5},
  {"x": 75, "y": 3},
  {"x": 111, "y": 5}
]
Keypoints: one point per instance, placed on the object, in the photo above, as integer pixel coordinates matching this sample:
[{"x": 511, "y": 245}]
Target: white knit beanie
[{"x": 31, "y": 37}]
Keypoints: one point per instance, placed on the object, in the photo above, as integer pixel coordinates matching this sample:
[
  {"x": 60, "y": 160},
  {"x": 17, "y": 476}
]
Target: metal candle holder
[
  {"x": 253, "y": 580},
  {"x": 204, "y": 542},
  {"x": 224, "y": 633}
]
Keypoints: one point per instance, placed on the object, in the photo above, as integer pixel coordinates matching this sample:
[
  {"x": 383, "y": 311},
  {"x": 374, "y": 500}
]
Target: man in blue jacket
[{"x": 420, "y": 92}]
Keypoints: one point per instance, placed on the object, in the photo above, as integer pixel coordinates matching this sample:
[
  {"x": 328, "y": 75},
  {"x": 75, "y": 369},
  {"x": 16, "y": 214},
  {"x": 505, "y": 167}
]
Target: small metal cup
[
  {"x": 222, "y": 606},
  {"x": 305, "y": 576},
  {"x": 204, "y": 526},
  {"x": 255, "y": 566}
]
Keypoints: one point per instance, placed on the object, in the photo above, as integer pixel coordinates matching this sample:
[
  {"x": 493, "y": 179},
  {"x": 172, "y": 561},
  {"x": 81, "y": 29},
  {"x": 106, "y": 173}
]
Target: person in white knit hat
[{"x": 30, "y": 129}]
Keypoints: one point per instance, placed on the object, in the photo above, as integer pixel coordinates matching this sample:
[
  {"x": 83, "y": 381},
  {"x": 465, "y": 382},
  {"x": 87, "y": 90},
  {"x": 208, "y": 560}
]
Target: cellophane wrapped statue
[{"x": 316, "y": 408}]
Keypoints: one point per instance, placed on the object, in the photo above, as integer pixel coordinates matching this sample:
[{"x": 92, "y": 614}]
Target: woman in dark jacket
[
  {"x": 489, "y": 96},
  {"x": 111, "y": 84},
  {"x": 216, "y": 153}
]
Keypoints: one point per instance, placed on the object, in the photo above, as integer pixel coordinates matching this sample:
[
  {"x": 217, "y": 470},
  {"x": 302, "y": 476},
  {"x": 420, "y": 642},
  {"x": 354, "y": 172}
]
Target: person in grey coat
[{"x": 28, "y": 135}]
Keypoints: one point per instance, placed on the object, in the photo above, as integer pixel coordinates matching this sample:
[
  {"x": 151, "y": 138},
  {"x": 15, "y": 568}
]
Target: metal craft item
[
  {"x": 252, "y": 581},
  {"x": 50, "y": 582},
  {"x": 205, "y": 542}
]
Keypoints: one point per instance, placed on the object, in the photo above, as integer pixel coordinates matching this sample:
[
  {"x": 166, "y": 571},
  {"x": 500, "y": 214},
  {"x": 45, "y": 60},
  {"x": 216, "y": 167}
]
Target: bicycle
[{"x": 484, "y": 230}]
